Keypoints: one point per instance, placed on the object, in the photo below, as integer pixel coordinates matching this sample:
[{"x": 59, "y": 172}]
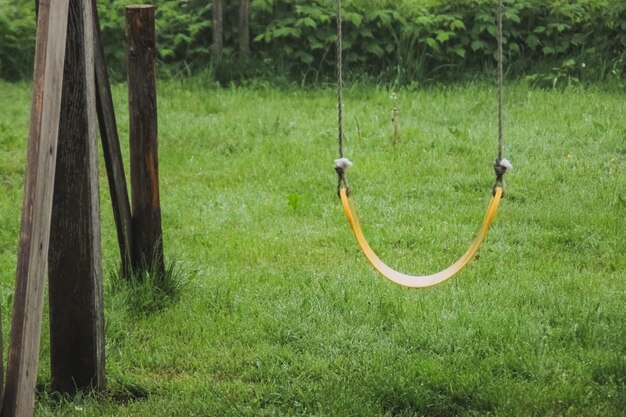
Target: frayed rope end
[
  {"x": 342, "y": 164},
  {"x": 505, "y": 163}
]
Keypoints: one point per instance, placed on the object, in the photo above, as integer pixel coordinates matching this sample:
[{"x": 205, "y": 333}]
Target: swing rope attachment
[
  {"x": 501, "y": 164},
  {"x": 341, "y": 164}
]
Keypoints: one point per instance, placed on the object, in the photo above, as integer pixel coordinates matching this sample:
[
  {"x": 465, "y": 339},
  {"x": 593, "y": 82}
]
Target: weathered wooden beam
[
  {"x": 144, "y": 169},
  {"x": 111, "y": 150},
  {"x": 32, "y": 260},
  {"x": 1, "y": 366},
  {"x": 75, "y": 254}
]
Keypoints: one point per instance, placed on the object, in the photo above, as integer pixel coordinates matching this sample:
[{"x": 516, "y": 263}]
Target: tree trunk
[
  {"x": 244, "y": 29},
  {"x": 218, "y": 28}
]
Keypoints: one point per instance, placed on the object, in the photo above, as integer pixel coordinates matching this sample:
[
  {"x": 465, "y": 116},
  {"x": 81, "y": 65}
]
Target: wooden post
[
  {"x": 75, "y": 255},
  {"x": 1, "y": 366},
  {"x": 111, "y": 150},
  {"x": 32, "y": 260},
  {"x": 144, "y": 173}
]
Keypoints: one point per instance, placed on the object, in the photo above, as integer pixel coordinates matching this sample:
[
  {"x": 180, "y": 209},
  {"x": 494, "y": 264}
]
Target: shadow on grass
[{"x": 118, "y": 395}]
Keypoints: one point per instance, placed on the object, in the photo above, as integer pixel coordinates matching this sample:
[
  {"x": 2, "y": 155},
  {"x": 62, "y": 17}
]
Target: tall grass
[{"x": 283, "y": 316}]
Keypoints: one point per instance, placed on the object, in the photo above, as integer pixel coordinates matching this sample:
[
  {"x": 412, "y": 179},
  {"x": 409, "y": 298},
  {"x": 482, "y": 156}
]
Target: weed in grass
[
  {"x": 395, "y": 120},
  {"x": 149, "y": 290}
]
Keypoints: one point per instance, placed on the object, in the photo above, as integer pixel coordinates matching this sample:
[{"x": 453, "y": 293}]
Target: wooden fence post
[
  {"x": 75, "y": 255},
  {"x": 144, "y": 173},
  {"x": 111, "y": 151},
  {"x": 19, "y": 398}
]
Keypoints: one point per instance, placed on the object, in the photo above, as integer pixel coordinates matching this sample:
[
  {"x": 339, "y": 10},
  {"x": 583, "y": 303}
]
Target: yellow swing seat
[{"x": 424, "y": 280}]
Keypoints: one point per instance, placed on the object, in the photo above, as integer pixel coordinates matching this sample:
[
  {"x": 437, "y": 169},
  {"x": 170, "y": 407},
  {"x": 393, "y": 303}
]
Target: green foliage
[
  {"x": 17, "y": 39},
  {"x": 403, "y": 41},
  {"x": 183, "y": 31}
]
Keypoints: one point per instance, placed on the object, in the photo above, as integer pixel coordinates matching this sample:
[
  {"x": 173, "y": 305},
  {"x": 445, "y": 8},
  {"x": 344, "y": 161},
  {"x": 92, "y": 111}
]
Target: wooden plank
[
  {"x": 23, "y": 358},
  {"x": 144, "y": 170},
  {"x": 111, "y": 150},
  {"x": 1, "y": 365},
  {"x": 75, "y": 254}
]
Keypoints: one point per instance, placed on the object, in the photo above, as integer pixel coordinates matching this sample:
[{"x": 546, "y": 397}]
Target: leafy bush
[
  {"x": 411, "y": 40},
  {"x": 17, "y": 39},
  {"x": 391, "y": 40}
]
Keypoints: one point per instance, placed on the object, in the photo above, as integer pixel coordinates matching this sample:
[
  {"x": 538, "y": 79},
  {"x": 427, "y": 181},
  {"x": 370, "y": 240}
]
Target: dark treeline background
[{"x": 555, "y": 42}]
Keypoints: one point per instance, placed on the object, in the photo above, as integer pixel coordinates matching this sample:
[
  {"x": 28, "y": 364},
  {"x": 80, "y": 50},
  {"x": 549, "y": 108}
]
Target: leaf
[
  {"x": 375, "y": 49},
  {"x": 286, "y": 31},
  {"x": 354, "y": 18},
  {"x": 443, "y": 36},
  {"x": 476, "y": 45},
  {"x": 432, "y": 43},
  {"x": 459, "y": 51},
  {"x": 532, "y": 41},
  {"x": 423, "y": 20},
  {"x": 366, "y": 32},
  {"x": 383, "y": 16},
  {"x": 166, "y": 53},
  {"x": 307, "y": 21},
  {"x": 457, "y": 24},
  {"x": 181, "y": 38},
  {"x": 305, "y": 57},
  {"x": 314, "y": 43}
]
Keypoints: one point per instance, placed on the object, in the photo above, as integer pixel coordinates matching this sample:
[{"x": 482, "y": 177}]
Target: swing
[{"x": 342, "y": 164}]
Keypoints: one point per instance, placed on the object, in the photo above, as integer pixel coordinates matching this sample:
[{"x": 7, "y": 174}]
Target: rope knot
[
  {"x": 500, "y": 167},
  {"x": 341, "y": 166}
]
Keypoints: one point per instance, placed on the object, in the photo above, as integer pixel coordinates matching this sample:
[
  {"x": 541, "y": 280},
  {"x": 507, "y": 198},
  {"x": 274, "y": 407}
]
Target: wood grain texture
[
  {"x": 144, "y": 168},
  {"x": 23, "y": 358},
  {"x": 75, "y": 255},
  {"x": 111, "y": 150}
]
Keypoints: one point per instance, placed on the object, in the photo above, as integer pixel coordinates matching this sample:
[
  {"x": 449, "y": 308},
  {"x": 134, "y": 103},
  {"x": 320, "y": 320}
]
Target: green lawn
[{"x": 283, "y": 316}]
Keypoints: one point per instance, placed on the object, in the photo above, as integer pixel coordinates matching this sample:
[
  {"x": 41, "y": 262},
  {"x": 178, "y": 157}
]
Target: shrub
[
  {"x": 17, "y": 35},
  {"x": 391, "y": 40}
]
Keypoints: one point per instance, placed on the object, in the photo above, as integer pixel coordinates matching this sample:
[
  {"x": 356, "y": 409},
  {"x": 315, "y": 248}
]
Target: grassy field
[{"x": 281, "y": 314}]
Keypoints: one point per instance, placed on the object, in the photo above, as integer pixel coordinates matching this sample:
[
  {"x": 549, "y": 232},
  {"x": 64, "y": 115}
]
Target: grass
[{"x": 283, "y": 316}]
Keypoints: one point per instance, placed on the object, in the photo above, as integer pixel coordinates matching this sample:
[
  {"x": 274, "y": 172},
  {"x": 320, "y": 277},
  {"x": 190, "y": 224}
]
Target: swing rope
[
  {"x": 342, "y": 164},
  {"x": 501, "y": 164},
  {"x": 500, "y": 78}
]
